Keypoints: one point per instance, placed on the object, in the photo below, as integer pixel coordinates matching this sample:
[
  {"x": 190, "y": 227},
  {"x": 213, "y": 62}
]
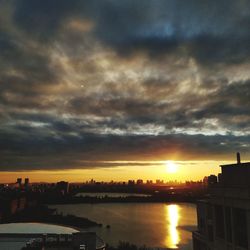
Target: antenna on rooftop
[{"x": 238, "y": 157}]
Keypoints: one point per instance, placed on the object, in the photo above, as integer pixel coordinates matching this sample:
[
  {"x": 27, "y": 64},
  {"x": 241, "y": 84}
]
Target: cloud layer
[{"x": 110, "y": 80}]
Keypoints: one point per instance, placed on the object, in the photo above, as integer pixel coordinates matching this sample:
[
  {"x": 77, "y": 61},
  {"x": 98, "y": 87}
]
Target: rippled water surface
[
  {"x": 112, "y": 195},
  {"x": 151, "y": 224}
]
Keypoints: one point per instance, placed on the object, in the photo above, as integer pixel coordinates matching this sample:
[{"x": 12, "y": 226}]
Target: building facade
[
  {"x": 224, "y": 216},
  {"x": 51, "y": 241}
]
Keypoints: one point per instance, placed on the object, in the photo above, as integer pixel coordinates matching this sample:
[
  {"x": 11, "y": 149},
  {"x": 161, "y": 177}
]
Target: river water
[
  {"x": 151, "y": 224},
  {"x": 112, "y": 195}
]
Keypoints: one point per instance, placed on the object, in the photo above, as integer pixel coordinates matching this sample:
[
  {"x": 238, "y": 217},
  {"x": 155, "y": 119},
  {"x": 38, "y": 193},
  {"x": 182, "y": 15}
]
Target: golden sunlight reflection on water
[{"x": 172, "y": 215}]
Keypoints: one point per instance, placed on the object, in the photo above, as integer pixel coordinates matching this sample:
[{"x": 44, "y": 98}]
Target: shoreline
[{"x": 46, "y": 215}]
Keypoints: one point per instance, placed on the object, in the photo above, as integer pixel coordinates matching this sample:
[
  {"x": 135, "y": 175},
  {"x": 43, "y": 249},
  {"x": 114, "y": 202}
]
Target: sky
[{"x": 112, "y": 89}]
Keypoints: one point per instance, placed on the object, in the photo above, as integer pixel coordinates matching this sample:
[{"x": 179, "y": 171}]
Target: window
[
  {"x": 210, "y": 233},
  {"x": 228, "y": 221},
  {"x": 219, "y": 222},
  {"x": 240, "y": 227}
]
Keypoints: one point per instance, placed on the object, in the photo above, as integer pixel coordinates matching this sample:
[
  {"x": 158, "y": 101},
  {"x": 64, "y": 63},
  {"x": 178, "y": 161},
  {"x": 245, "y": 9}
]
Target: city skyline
[
  {"x": 116, "y": 90},
  {"x": 161, "y": 171}
]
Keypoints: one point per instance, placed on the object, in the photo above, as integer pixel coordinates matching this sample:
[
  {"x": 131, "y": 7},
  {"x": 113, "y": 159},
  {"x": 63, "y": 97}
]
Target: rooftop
[
  {"x": 14, "y": 236},
  {"x": 238, "y": 163},
  {"x": 241, "y": 164},
  {"x": 234, "y": 176}
]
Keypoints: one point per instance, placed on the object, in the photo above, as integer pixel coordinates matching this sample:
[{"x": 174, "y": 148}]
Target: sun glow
[{"x": 171, "y": 167}]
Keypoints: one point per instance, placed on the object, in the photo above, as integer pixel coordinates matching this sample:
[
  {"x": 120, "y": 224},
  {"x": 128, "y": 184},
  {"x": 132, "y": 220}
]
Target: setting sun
[{"x": 171, "y": 167}]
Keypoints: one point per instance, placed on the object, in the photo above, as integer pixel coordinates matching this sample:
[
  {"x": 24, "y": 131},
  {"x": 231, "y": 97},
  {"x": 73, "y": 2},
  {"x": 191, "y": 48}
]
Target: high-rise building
[
  {"x": 63, "y": 187},
  {"x": 224, "y": 217},
  {"x": 19, "y": 181},
  {"x": 131, "y": 182},
  {"x": 149, "y": 182},
  {"x": 159, "y": 182},
  {"x": 26, "y": 182},
  {"x": 139, "y": 182}
]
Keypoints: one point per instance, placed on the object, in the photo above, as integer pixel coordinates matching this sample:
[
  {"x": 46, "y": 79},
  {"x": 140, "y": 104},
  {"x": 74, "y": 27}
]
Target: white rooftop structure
[{"x": 15, "y": 236}]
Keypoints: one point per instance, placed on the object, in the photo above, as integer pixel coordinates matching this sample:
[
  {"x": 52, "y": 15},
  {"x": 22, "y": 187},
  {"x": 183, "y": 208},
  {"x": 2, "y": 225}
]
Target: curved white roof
[{"x": 35, "y": 228}]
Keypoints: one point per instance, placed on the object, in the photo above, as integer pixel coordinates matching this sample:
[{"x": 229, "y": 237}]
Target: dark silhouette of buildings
[
  {"x": 26, "y": 182},
  {"x": 62, "y": 187},
  {"x": 211, "y": 180},
  {"x": 139, "y": 182},
  {"x": 224, "y": 217},
  {"x": 19, "y": 182}
]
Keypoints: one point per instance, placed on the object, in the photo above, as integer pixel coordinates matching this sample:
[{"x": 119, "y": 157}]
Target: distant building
[
  {"x": 26, "y": 182},
  {"x": 159, "y": 182},
  {"x": 62, "y": 187},
  {"x": 10, "y": 205},
  {"x": 131, "y": 182},
  {"x": 212, "y": 179},
  {"x": 19, "y": 182},
  {"x": 224, "y": 217},
  {"x": 139, "y": 182},
  {"x": 22, "y": 203}
]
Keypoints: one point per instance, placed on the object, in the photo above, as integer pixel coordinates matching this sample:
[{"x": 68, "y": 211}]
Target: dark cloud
[
  {"x": 87, "y": 150},
  {"x": 165, "y": 26},
  {"x": 155, "y": 26},
  {"x": 230, "y": 105},
  {"x": 43, "y": 19}
]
